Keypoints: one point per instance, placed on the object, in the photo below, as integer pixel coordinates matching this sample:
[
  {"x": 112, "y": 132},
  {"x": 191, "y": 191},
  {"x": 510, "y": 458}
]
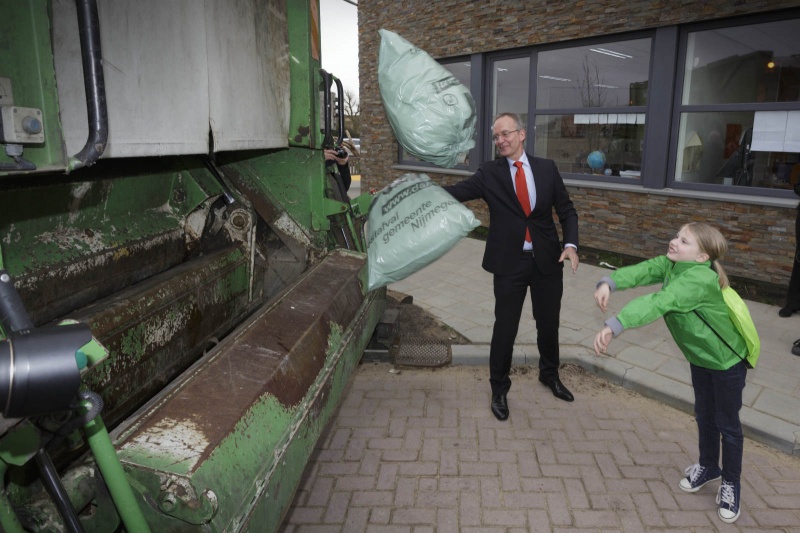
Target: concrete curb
[{"x": 756, "y": 425}]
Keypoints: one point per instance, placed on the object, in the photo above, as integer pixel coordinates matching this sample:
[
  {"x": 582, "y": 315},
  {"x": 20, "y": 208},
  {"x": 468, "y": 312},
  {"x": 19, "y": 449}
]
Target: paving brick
[
  {"x": 504, "y": 517},
  {"x": 337, "y": 508},
  {"x": 689, "y": 519},
  {"x": 595, "y": 519},
  {"x": 387, "y": 476},
  {"x": 453, "y": 483},
  {"x": 447, "y": 521},
  {"x": 320, "y": 492},
  {"x": 354, "y": 449},
  {"x": 576, "y": 494},
  {"x": 524, "y": 500},
  {"x": 470, "y": 509},
  {"x": 648, "y": 511},
  {"x": 380, "y": 515},
  {"x": 357, "y": 519},
  {"x": 401, "y": 455},
  {"x": 509, "y": 477},
  {"x": 405, "y": 494},
  {"x": 348, "y": 483},
  {"x": 414, "y": 516}
]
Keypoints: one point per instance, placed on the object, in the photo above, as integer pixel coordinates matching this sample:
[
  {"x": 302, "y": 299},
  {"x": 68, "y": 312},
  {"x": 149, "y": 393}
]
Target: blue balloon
[{"x": 596, "y": 160}]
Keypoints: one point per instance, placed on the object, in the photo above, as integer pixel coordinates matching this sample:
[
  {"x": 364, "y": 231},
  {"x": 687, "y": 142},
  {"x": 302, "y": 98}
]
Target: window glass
[
  {"x": 755, "y": 63},
  {"x": 745, "y": 148},
  {"x": 604, "y": 75},
  {"x": 462, "y": 70},
  {"x": 510, "y": 88},
  {"x": 589, "y": 86},
  {"x": 605, "y": 144}
]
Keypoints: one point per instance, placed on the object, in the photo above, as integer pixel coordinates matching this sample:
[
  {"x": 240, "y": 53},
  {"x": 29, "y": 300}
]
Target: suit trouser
[
  {"x": 509, "y": 292},
  {"x": 793, "y": 294}
]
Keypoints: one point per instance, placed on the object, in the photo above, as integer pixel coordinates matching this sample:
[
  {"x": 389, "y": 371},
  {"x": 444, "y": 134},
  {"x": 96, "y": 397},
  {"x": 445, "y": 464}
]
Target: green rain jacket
[{"x": 688, "y": 286}]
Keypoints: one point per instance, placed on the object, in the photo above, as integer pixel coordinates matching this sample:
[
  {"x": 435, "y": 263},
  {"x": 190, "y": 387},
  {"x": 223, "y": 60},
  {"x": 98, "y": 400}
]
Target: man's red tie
[{"x": 522, "y": 194}]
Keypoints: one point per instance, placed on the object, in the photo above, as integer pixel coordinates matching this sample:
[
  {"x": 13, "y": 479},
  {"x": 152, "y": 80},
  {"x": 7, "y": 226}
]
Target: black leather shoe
[
  {"x": 500, "y": 406},
  {"x": 558, "y": 388},
  {"x": 786, "y": 312}
]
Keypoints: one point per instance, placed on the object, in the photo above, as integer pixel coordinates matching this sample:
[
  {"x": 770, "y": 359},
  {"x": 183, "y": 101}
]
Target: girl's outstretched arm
[
  {"x": 602, "y": 340},
  {"x": 601, "y": 295}
]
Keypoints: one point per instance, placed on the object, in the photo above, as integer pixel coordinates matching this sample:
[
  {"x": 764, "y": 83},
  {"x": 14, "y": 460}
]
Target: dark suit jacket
[{"x": 494, "y": 183}]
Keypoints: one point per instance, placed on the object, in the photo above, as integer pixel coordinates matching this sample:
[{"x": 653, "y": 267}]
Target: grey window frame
[{"x": 678, "y": 108}]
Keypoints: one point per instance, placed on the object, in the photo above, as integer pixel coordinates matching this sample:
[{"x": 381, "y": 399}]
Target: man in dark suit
[{"x": 523, "y": 251}]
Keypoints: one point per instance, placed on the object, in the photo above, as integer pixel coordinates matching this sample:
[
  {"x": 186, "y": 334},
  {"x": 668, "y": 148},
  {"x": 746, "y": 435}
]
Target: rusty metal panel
[
  {"x": 232, "y": 413},
  {"x": 278, "y": 352},
  {"x": 53, "y": 290},
  {"x": 157, "y": 328}
]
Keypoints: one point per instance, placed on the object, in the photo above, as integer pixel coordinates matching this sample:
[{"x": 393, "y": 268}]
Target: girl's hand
[
  {"x": 602, "y": 340},
  {"x": 601, "y": 295}
]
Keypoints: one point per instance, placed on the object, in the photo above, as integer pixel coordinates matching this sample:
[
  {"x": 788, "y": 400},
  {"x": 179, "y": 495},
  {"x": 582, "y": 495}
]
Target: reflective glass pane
[
  {"x": 461, "y": 70},
  {"x": 605, "y": 75},
  {"x": 510, "y": 81},
  {"x": 756, "y": 63},
  {"x": 608, "y": 144},
  {"x": 745, "y": 148}
]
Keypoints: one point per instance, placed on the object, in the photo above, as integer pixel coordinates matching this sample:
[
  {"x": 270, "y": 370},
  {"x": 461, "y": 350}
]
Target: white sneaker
[
  {"x": 728, "y": 500},
  {"x": 697, "y": 476}
]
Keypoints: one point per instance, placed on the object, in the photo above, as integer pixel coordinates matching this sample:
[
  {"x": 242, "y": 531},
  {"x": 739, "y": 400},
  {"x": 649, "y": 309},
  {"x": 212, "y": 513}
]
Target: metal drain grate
[{"x": 407, "y": 351}]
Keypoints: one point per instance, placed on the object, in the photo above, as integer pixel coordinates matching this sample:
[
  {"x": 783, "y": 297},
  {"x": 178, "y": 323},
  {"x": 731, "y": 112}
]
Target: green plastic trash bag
[
  {"x": 411, "y": 223},
  {"x": 431, "y": 112}
]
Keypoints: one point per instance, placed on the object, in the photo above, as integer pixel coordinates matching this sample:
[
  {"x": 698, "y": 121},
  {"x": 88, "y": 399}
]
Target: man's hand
[{"x": 569, "y": 252}]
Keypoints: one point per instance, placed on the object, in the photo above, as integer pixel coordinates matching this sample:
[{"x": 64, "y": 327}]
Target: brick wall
[{"x": 761, "y": 237}]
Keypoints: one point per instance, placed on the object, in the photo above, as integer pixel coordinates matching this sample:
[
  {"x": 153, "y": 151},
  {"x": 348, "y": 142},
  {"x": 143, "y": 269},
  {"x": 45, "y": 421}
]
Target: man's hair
[{"x": 513, "y": 116}]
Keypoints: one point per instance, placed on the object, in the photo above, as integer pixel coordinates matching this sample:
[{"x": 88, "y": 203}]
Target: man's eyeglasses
[{"x": 502, "y": 135}]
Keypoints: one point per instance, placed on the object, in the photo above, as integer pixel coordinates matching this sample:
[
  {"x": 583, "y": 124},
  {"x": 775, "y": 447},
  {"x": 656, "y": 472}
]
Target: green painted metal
[
  {"x": 19, "y": 444},
  {"x": 106, "y": 457},
  {"x": 297, "y": 183},
  {"x": 244, "y": 461},
  {"x": 165, "y": 326},
  {"x": 145, "y": 252},
  {"x": 305, "y": 106},
  {"x": 26, "y": 58},
  {"x": 276, "y": 495},
  {"x": 100, "y": 210},
  {"x": 9, "y": 522}
]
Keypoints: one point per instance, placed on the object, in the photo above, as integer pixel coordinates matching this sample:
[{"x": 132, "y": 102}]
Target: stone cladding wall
[{"x": 761, "y": 238}]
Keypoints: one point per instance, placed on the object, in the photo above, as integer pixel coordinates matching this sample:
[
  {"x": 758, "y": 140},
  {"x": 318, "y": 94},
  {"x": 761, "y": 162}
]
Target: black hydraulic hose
[
  {"x": 13, "y": 316},
  {"x": 52, "y": 483},
  {"x": 340, "y": 109},
  {"x": 327, "y": 141},
  {"x": 94, "y": 83},
  {"x": 211, "y": 165},
  {"x": 79, "y": 420}
]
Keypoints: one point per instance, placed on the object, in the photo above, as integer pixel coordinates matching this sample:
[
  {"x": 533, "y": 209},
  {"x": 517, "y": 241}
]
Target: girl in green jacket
[{"x": 692, "y": 280}]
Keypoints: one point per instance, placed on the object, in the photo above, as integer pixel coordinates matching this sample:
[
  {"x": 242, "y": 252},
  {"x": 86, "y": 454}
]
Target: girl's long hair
[{"x": 711, "y": 242}]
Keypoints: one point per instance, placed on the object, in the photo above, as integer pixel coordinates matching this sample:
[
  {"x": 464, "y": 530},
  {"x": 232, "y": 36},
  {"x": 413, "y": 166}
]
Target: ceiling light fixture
[
  {"x": 611, "y": 53},
  {"x": 554, "y": 78}
]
